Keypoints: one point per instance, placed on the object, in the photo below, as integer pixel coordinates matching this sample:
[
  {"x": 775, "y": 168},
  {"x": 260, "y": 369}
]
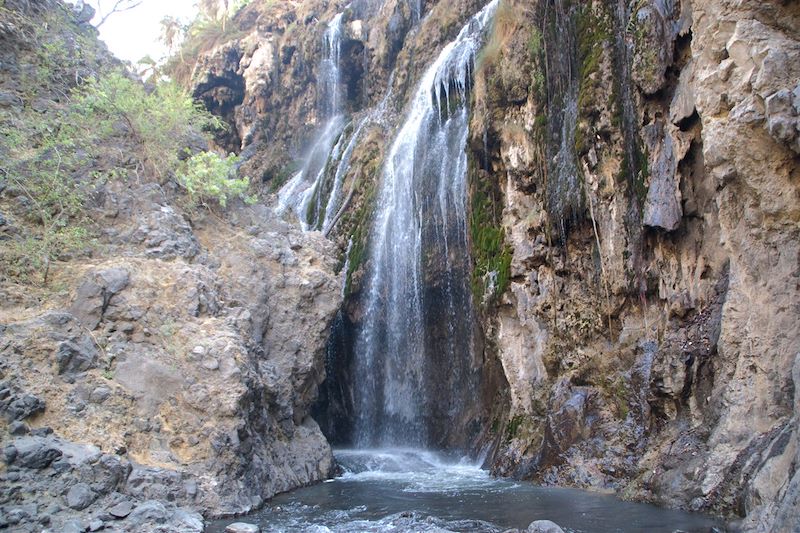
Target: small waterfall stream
[
  {"x": 413, "y": 352},
  {"x": 303, "y": 194}
]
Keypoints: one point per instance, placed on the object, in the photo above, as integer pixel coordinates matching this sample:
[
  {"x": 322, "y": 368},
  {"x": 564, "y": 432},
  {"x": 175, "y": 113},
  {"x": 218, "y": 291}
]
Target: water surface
[{"x": 406, "y": 491}]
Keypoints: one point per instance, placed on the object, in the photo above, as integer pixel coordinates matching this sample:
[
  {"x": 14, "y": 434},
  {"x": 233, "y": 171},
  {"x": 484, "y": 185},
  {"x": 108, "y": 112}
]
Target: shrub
[
  {"x": 105, "y": 129},
  {"x": 208, "y": 177},
  {"x": 162, "y": 122}
]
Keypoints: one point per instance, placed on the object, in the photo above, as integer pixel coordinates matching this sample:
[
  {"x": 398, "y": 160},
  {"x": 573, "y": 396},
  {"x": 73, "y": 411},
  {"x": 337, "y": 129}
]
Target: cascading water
[
  {"x": 414, "y": 349},
  {"x": 303, "y": 192}
]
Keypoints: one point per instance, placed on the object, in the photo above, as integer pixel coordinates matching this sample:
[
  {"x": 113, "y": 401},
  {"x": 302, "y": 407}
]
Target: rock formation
[
  {"x": 173, "y": 369},
  {"x": 633, "y": 180}
]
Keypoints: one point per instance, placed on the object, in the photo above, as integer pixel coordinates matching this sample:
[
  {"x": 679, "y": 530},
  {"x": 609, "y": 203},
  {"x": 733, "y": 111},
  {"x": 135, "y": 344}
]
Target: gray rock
[
  {"x": 18, "y": 428},
  {"x": 16, "y": 406},
  {"x": 121, "y": 510},
  {"x": 8, "y": 99},
  {"x": 187, "y": 521},
  {"x": 73, "y": 526},
  {"x": 242, "y": 527},
  {"x": 662, "y": 208},
  {"x": 94, "y": 295},
  {"x": 80, "y": 497},
  {"x": 96, "y": 525},
  {"x": 100, "y": 394},
  {"x": 544, "y": 526},
  {"x": 149, "y": 511},
  {"x": 72, "y": 358},
  {"x": 783, "y": 122},
  {"x": 210, "y": 363},
  {"x": 32, "y": 452}
]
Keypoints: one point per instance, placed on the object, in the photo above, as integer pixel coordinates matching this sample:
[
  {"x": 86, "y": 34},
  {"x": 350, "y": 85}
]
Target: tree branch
[{"x": 119, "y": 7}]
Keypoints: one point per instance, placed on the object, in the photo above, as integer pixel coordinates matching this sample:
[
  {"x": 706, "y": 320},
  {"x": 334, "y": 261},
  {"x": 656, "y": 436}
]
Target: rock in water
[
  {"x": 544, "y": 526},
  {"x": 242, "y": 527}
]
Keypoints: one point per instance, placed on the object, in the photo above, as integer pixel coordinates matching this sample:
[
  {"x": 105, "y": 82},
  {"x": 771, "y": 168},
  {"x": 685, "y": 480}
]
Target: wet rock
[
  {"x": 242, "y": 527},
  {"x": 121, "y": 510},
  {"x": 80, "y": 496},
  {"x": 652, "y": 55},
  {"x": 544, "y": 526}
]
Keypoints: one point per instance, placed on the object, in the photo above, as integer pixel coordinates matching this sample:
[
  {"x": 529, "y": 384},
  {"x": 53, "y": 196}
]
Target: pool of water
[{"x": 408, "y": 491}]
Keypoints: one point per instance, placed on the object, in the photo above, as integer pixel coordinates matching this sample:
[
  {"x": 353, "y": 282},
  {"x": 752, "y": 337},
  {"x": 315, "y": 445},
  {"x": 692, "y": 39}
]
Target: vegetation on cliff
[{"x": 75, "y": 130}]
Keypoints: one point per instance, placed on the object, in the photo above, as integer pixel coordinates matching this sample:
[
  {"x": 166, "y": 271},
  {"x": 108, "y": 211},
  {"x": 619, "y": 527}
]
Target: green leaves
[
  {"x": 107, "y": 129},
  {"x": 208, "y": 177}
]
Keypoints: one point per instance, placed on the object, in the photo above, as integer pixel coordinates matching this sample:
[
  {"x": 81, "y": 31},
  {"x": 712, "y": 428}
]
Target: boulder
[
  {"x": 544, "y": 526},
  {"x": 32, "y": 452},
  {"x": 80, "y": 496},
  {"x": 95, "y": 292},
  {"x": 72, "y": 358},
  {"x": 121, "y": 510},
  {"x": 242, "y": 527}
]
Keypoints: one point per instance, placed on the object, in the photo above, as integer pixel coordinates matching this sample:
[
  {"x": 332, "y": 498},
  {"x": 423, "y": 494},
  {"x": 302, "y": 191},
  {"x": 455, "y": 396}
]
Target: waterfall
[
  {"x": 304, "y": 193},
  {"x": 413, "y": 353}
]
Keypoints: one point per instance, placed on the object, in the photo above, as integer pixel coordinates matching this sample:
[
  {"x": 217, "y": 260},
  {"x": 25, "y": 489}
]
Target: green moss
[
  {"x": 593, "y": 32},
  {"x": 360, "y": 235},
  {"x": 490, "y": 254},
  {"x": 278, "y": 179},
  {"x": 360, "y": 220},
  {"x": 616, "y": 392},
  {"x": 512, "y": 429}
]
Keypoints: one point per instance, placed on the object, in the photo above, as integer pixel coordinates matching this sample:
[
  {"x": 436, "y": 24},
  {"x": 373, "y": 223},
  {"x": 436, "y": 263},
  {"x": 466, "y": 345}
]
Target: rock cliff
[{"x": 171, "y": 368}]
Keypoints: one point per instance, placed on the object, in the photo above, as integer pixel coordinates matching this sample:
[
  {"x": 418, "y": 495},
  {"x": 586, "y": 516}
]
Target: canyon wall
[{"x": 633, "y": 224}]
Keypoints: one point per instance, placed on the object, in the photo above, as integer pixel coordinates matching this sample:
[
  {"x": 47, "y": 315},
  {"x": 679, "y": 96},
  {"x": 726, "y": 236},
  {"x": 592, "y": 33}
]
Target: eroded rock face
[
  {"x": 651, "y": 351},
  {"x": 206, "y": 372},
  {"x": 171, "y": 371}
]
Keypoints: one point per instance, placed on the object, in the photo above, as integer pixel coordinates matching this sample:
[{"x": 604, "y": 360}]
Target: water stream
[
  {"x": 413, "y": 351},
  {"x": 305, "y": 193}
]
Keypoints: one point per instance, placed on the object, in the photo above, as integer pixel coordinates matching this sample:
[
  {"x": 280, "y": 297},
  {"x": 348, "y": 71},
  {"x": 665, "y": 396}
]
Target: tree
[{"x": 215, "y": 9}]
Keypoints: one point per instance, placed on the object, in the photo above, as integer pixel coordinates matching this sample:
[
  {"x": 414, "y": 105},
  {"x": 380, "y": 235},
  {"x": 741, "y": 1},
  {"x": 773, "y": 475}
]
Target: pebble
[{"x": 210, "y": 363}]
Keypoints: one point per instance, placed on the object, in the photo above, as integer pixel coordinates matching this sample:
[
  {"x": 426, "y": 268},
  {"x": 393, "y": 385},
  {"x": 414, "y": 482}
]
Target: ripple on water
[{"x": 406, "y": 490}]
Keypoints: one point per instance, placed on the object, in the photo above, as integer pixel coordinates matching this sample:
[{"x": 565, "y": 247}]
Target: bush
[
  {"x": 208, "y": 177},
  {"x": 105, "y": 129},
  {"x": 162, "y": 122}
]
